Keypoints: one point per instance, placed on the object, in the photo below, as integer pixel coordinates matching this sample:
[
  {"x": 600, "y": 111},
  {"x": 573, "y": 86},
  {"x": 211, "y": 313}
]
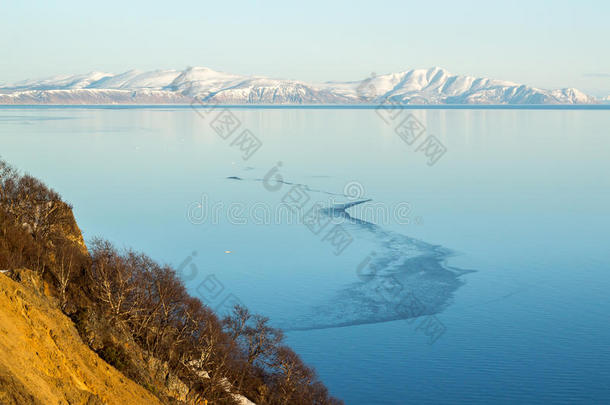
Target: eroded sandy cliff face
[{"x": 42, "y": 357}]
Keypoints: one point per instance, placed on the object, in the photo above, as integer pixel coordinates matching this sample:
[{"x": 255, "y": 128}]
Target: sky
[{"x": 546, "y": 44}]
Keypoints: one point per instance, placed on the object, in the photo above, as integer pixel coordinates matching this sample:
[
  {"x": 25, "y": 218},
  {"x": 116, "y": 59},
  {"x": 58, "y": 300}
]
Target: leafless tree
[
  {"x": 236, "y": 323},
  {"x": 67, "y": 257},
  {"x": 112, "y": 279},
  {"x": 293, "y": 377},
  {"x": 127, "y": 294},
  {"x": 258, "y": 338}
]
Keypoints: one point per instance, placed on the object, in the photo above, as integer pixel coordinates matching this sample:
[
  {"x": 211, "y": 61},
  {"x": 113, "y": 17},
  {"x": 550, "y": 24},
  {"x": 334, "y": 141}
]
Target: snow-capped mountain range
[{"x": 416, "y": 86}]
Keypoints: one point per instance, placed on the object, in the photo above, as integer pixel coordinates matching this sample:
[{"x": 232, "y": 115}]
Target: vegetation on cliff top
[{"x": 137, "y": 315}]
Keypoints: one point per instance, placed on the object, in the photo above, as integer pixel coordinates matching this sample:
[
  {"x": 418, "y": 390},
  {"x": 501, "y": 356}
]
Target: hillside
[
  {"x": 415, "y": 86},
  {"x": 43, "y": 359},
  {"x": 92, "y": 324}
]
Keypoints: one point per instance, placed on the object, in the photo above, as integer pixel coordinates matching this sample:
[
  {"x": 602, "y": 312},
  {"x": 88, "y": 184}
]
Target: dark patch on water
[{"x": 402, "y": 271}]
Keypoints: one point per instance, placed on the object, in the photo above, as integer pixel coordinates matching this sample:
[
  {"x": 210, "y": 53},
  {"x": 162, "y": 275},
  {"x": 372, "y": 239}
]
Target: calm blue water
[{"x": 520, "y": 197}]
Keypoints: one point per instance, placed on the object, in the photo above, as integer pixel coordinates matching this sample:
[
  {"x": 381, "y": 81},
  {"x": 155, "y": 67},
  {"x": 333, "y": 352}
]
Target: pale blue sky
[{"x": 540, "y": 43}]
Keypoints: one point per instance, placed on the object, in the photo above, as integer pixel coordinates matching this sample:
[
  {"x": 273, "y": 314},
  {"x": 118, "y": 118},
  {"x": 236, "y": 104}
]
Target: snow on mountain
[
  {"x": 61, "y": 82},
  {"x": 219, "y": 87},
  {"x": 132, "y": 79},
  {"x": 93, "y": 96},
  {"x": 135, "y": 79},
  {"x": 438, "y": 86},
  {"x": 417, "y": 86},
  {"x": 196, "y": 81}
]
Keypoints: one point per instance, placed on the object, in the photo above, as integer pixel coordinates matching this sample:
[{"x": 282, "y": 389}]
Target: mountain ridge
[{"x": 416, "y": 86}]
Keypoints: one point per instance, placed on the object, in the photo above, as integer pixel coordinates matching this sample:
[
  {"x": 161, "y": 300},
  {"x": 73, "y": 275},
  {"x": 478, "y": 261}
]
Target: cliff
[
  {"x": 42, "y": 357},
  {"x": 93, "y": 324}
]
